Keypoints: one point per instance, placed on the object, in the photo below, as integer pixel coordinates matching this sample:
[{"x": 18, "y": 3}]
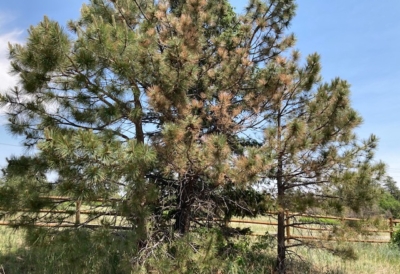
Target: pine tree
[
  {"x": 389, "y": 200},
  {"x": 181, "y": 107},
  {"x": 390, "y": 185},
  {"x": 309, "y": 133}
]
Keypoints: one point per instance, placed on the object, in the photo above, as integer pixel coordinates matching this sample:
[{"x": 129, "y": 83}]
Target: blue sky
[{"x": 358, "y": 41}]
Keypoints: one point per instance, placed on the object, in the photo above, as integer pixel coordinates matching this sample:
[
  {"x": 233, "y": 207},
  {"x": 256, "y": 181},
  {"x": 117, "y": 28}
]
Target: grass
[
  {"x": 15, "y": 258},
  {"x": 371, "y": 259},
  {"x": 258, "y": 229},
  {"x": 322, "y": 221},
  {"x": 322, "y": 228},
  {"x": 79, "y": 251},
  {"x": 10, "y": 239}
]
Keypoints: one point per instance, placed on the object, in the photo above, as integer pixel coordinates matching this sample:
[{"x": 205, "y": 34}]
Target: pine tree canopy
[{"x": 182, "y": 108}]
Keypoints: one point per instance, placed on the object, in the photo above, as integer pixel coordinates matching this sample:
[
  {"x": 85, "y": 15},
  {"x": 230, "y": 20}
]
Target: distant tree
[
  {"x": 181, "y": 107},
  {"x": 390, "y": 185},
  {"x": 390, "y": 199},
  {"x": 389, "y": 204}
]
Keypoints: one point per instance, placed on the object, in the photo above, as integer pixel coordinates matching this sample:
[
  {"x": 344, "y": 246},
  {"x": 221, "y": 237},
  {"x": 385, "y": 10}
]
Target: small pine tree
[{"x": 309, "y": 136}]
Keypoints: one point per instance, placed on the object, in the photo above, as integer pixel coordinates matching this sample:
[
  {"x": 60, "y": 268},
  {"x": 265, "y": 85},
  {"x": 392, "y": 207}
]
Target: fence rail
[
  {"x": 291, "y": 222},
  {"x": 324, "y": 228}
]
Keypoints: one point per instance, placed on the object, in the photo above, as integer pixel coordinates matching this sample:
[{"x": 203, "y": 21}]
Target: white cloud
[{"x": 6, "y": 80}]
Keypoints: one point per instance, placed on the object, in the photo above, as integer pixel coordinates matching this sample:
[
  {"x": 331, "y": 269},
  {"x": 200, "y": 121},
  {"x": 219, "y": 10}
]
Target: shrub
[{"x": 396, "y": 239}]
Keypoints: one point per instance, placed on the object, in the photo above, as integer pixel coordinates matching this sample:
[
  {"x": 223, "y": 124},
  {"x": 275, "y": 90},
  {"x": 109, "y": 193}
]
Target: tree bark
[
  {"x": 281, "y": 254},
  {"x": 185, "y": 202},
  {"x": 138, "y": 120},
  {"x": 281, "y": 237}
]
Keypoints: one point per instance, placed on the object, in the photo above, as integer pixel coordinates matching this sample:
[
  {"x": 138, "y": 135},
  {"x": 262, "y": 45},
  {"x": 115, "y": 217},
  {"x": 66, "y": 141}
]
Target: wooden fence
[
  {"x": 294, "y": 227},
  {"x": 293, "y": 222}
]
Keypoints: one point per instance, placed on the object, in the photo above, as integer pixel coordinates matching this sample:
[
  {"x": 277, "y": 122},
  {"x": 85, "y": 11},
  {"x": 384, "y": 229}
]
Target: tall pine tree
[{"x": 181, "y": 107}]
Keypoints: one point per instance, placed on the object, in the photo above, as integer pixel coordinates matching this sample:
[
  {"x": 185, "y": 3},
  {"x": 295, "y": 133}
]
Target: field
[
  {"x": 371, "y": 258},
  {"x": 314, "y": 228}
]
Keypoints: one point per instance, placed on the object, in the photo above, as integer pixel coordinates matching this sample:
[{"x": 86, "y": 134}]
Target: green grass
[
  {"x": 371, "y": 259},
  {"x": 322, "y": 221},
  {"x": 100, "y": 253},
  {"x": 66, "y": 251},
  {"x": 10, "y": 239},
  {"x": 322, "y": 229}
]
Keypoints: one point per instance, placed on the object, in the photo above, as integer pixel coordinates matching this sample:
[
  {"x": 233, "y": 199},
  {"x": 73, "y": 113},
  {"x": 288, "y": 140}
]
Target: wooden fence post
[
  {"x": 78, "y": 212},
  {"x": 287, "y": 226},
  {"x": 391, "y": 227}
]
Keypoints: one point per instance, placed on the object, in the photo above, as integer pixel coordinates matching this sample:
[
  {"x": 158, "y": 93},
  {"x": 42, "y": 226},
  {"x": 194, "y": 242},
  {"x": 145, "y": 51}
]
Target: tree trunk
[
  {"x": 281, "y": 255},
  {"x": 185, "y": 202},
  {"x": 281, "y": 237},
  {"x": 138, "y": 120}
]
